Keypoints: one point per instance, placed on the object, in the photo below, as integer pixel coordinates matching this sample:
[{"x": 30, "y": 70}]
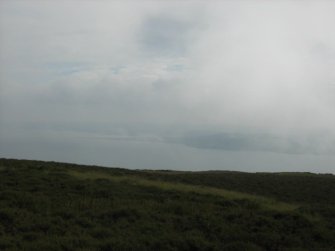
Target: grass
[
  {"x": 59, "y": 206},
  {"x": 266, "y": 203}
]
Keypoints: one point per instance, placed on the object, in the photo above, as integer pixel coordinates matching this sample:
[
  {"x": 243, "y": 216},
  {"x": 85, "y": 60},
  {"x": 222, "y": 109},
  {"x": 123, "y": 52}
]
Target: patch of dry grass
[{"x": 266, "y": 203}]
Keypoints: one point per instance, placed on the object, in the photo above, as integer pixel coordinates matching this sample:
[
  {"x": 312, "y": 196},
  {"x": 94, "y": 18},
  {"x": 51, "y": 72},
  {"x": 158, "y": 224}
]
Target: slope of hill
[{"x": 57, "y": 206}]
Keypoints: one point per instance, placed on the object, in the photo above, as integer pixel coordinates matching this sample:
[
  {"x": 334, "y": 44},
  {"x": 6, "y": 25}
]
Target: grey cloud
[
  {"x": 263, "y": 143},
  {"x": 146, "y": 74},
  {"x": 164, "y": 36}
]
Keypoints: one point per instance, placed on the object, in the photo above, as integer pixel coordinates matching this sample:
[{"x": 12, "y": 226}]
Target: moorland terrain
[{"x": 59, "y": 206}]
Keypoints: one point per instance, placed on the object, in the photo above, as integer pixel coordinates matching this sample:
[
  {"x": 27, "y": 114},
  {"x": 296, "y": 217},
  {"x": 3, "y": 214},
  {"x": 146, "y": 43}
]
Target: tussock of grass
[{"x": 266, "y": 203}]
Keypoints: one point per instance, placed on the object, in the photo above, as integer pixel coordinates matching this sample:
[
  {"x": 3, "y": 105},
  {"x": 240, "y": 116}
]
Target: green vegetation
[{"x": 57, "y": 206}]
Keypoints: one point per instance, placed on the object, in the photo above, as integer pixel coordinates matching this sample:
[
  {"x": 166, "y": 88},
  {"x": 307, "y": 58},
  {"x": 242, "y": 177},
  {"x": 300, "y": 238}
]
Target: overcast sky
[{"x": 189, "y": 85}]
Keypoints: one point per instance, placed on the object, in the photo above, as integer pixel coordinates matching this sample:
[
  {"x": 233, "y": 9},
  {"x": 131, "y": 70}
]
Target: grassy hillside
[{"x": 57, "y": 206}]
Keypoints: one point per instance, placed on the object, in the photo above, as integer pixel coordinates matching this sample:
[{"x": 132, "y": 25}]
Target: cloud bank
[{"x": 211, "y": 79}]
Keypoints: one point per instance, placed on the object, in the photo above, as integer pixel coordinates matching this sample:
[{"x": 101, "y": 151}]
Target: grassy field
[{"x": 57, "y": 206}]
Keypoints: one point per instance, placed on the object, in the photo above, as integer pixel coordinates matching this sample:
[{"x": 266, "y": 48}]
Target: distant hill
[{"x": 60, "y": 206}]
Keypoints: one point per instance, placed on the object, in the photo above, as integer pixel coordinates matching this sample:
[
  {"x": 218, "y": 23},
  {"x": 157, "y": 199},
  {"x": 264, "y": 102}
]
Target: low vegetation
[{"x": 57, "y": 206}]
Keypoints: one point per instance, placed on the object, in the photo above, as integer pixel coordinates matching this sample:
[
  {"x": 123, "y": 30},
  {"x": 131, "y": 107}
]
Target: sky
[{"x": 184, "y": 85}]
